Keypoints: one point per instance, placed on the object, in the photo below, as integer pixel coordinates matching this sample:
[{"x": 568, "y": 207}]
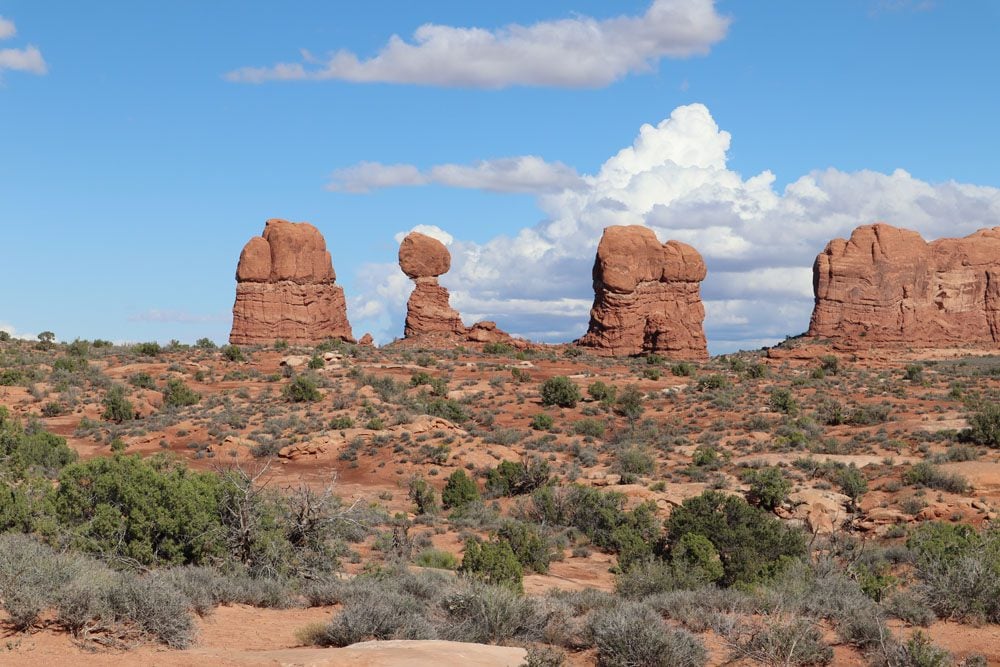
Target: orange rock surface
[
  {"x": 647, "y": 296},
  {"x": 286, "y": 289},
  {"x": 887, "y": 285}
]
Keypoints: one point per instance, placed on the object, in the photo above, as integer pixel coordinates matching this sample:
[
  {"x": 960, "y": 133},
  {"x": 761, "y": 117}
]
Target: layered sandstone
[
  {"x": 886, "y": 286},
  {"x": 285, "y": 289},
  {"x": 647, "y": 296}
]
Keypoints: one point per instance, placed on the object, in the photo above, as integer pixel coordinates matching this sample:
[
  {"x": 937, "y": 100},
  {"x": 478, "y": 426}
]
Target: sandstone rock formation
[
  {"x": 888, "y": 286},
  {"x": 647, "y": 296},
  {"x": 286, "y": 289},
  {"x": 428, "y": 312}
]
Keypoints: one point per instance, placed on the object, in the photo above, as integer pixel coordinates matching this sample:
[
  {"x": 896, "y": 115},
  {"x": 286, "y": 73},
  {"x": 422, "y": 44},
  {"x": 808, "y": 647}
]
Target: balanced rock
[
  {"x": 429, "y": 311},
  {"x": 285, "y": 289},
  {"x": 886, "y": 286},
  {"x": 647, "y": 296}
]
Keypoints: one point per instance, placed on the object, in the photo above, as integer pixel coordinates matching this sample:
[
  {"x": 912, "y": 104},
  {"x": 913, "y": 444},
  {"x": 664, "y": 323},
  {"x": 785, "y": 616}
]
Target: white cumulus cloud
[
  {"x": 759, "y": 243},
  {"x": 525, "y": 173},
  {"x": 578, "y": 52},
  {"x": 29, "y": 59}
]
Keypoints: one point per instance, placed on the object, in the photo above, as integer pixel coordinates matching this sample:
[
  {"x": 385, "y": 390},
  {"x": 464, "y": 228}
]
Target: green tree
[
  {"x": 117, "y": 408},
  {"x": 769, "y": 487},
  {"x": 423, "y": 496},
  {"x": 460, "y": 490},
  {"x": 148, "y": 511},
  {"x": 752, "y": 545}
]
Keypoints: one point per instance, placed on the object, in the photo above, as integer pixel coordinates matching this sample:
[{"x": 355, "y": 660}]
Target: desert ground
[{"x": 869, "y": 447}]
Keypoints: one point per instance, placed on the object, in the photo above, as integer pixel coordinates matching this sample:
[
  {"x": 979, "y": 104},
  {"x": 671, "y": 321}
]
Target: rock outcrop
[
  {"x": 429, "y": 311},
  {"x": 887, "y": 286},
  {"x": 647, "y": 296},
  {"x": 285, "y": 289}
]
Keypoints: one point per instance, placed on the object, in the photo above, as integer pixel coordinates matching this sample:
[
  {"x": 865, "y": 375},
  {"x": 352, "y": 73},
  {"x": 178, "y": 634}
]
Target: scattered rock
[
  {"x": 887, "y": 285},
  {"x": 647, "y": 296},
  {"x": 286, "y": 289}
]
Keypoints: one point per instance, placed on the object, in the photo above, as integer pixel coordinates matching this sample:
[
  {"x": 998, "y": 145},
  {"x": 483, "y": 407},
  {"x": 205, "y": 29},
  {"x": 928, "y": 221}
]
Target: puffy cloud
[
  {"x": 428, "y": 230},
  {"x": 525, "y": 173},
  {"x": 758, "y": 243},
  {"x": 578, "y": 52},
  {"x": 7, "y": 28},
  {"x": 14, "y": 333},
  {"x": 28, "y": 59}
]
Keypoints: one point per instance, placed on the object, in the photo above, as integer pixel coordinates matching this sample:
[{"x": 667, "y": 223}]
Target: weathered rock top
[{"x": 422, "y": 256}]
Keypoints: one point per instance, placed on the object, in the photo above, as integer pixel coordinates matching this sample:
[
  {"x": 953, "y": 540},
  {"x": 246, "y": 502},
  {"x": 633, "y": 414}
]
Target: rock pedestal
[
  {"x": 428, "y": 311},
  {"x": 647, "y": 296},
  {"x": 286, "y": 289},
  {"x": 886, "y": 286}
]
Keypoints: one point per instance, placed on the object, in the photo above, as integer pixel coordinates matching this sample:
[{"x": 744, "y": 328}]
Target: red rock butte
[
  {"x": 286, "y": 289},
  {"x": 886, "y": 286},
  {"x": 647, "y": 296}
]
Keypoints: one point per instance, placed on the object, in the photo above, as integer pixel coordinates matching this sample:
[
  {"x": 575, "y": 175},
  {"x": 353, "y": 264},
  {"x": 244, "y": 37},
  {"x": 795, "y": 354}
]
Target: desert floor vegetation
[{"x": 788, "y": 507}]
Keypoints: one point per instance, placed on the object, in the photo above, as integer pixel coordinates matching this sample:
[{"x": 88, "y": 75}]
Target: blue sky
[{"x": 142, "y": 144}]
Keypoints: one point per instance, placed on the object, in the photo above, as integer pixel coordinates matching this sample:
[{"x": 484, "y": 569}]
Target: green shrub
[
  {"x": 867, "y": 415},
  {"x": 528, "y": 544},
  {"x": 498, "y": 348},
  {"x": 493, "y": 563},
  {"x": 515, "y": 478},
  {"x": 233, "y": 353},
  {"x": 460, "y": 490},
  {"x": 437, "y": 559},
  {"x": 683, "y": 369},
  {"x": 142, "y": 381},
  {"x": 752, "y": 545},
  {"x": 176, "y": 394},
  {"x": 589, "y": 426},
  {"x": 490, "y": 614},
  {"x": 205, "y": 344},
  {"x": 629, "y": 403},
  {"x": 929, "y": 475},
  {"x": 151, "y": 511},
  {"x": 302, "y": 389},
  {"x": 782, "y": 400},
  {"x": 769, "y": 487},
  {"x": 851, "y": 481},
  {"x": 117, "y": 408},
  {"x": 542, "y": 422},
  {"x": 599, "y": 391},
  {"x": 633, "y": 461},
  {"x": 561, "y": 391},
  {"x": 147, "y": 349},
  {"x": 984, "y": 426}
]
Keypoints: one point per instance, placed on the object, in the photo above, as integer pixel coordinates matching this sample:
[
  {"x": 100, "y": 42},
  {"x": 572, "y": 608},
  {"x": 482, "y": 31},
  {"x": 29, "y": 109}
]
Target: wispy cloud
[
  {"x": 28, "y": 59},
  {"x": 579, "y": 52},
  {"x": 525, "y": 173},
  {"x": 175, "y": 317}
]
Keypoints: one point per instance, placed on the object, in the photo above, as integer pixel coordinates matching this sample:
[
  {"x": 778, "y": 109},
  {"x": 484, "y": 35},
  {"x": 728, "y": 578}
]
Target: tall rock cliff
[
  {"x": 887, "y": 285},
  {"x": 285, "y": 289}
]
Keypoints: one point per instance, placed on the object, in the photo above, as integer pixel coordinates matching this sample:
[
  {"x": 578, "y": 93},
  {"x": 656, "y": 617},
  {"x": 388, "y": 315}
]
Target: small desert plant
[{"x": 560, "y": 391}]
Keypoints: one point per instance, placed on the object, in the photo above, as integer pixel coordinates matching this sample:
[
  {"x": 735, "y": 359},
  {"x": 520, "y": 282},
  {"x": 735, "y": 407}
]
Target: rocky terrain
[
  {"x": 887, "y": 285},
  {"x": 286, "y": 289},
  {"x": 867, "y": 449},
  {"x": 646, "y": 296}
]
